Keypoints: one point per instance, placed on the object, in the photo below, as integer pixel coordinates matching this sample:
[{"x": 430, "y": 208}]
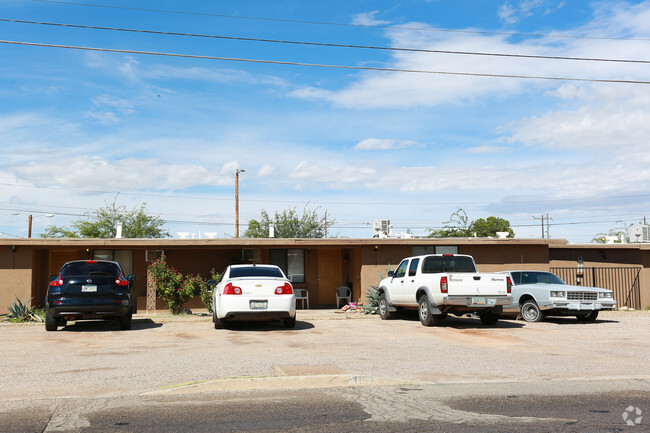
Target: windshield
[
  {"x": 535, "y": 278},
  {"x": 256, "y": 271},
  {"x": 90, "y": 268},
  {"x": 437, "y": 264}
]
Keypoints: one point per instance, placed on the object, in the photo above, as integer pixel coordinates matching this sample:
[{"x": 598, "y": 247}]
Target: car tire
[
  {"x": 424, "y": 312},
  {"x": 290, "y": 322},
  {"x": 382, "y": 308},
  {"x": 51, "y": 323},
  {"x": 590, "y": 317},
  {"x": 125, "y": 321},
  {"x": 489, "y": 318},
  {"x": 530, "y": 311},
  {"x": 218, "y": 323}
]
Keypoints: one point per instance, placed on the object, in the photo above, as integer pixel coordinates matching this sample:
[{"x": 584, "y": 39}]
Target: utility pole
[
  {"x": 547, "y": 218},
  {"x": 29, "y": 229},
  {"x": 237, "y": 171}
]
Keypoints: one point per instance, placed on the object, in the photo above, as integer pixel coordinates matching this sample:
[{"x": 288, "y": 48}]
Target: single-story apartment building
[{"x": 322, "y": 265}]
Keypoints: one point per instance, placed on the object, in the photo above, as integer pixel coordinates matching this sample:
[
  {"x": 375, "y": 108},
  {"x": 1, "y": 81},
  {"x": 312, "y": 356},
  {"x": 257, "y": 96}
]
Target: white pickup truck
[{"x": 441, "y": 284}]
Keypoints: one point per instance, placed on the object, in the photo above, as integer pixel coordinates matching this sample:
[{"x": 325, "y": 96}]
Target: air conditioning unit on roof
[
  {"x": 381, "y": 228},
  {"x": 639, "y": 233}
]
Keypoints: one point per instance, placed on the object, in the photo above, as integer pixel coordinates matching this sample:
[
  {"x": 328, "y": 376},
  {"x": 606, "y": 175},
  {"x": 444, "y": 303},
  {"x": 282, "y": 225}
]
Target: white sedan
[
  {"x": 253, "y": 292},
  {"x": 539, "y": 294}
]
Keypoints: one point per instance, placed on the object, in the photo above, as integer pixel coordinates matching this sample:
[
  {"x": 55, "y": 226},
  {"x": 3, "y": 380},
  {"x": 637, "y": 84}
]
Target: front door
[{"x": 329, "y": 275}]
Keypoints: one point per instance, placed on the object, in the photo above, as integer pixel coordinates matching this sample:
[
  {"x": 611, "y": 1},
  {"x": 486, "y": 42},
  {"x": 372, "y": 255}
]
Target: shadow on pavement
[{"x": 108, "y": 325}]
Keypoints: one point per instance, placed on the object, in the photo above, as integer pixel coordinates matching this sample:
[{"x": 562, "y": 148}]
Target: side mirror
[
  {"x": 130, "y": 278},
  {"x": 212, "y": 283},
  {"x": 390, "y": 274}
]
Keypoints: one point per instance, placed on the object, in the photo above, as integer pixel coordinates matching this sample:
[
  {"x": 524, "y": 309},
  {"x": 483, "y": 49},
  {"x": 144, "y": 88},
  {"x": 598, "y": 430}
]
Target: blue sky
[{"x": 78, "y": 127}]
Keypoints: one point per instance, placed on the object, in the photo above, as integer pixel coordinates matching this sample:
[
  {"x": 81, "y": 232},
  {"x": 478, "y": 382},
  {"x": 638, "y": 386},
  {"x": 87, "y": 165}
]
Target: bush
[
  {"x": 206, "y": 291},
  {"x": 371, "y": 304},
  {"x": 20, "y": 312},
  {"x": 171, "y": 286}
]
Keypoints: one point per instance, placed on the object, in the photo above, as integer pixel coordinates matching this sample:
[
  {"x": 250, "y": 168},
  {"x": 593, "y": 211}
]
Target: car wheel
[
  {"x": 424, "y": 312},
  {"x": 51, "y": 323},
  {"x": 588, "y": 317},
  {"x": 125, "y": 321},
  {"x": 290, "y": 322},
  {"x": 489, "y": 318},
  {"x": 218, "y": 323},
  {"x": 383, "y": 308},
  {"x": 530, "y": 311}
]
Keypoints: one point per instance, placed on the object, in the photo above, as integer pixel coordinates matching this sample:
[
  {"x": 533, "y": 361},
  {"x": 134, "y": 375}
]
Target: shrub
[
  {"x": 371, "y": 304},
  {"x": 206, "y": 291},
  {"x": 21, "y": 312},
  {"x": 171, "y": 286}
]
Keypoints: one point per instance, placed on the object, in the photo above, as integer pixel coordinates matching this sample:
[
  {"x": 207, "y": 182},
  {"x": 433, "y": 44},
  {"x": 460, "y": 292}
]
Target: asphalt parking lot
[
  {"x": 162, "y": 351},
  {"x": 174, "y": 356}
]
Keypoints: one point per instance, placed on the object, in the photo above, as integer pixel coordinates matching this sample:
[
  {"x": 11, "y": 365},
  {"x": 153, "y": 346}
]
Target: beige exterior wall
[
  {"x": 15, "y": 275},
  {"x": 24, "y": 273}
]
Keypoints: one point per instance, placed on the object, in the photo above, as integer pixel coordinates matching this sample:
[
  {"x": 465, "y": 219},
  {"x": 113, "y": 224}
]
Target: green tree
[
  {"x": 102, "y": 223},
  {"x": 289, "y": 224},
  {"x": 621, "y": 230},
  {"x": 489, "y": 227},
  {"x": 457, "y": 227}
]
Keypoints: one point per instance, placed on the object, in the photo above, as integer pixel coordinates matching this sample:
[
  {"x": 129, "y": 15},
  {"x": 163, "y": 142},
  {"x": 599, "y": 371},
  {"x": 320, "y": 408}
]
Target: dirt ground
[{"x": 162, "y": 352}]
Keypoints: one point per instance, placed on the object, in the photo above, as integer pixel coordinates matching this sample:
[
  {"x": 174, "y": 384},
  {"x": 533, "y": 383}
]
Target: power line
[
  {"x": 326, "y": 44},
  {"x": 325, "y": 23},
  {"x": 322, "y": 65}
]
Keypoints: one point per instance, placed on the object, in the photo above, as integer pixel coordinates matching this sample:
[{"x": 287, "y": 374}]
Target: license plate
[
  {"x": 258, "y": 305},
  {"x": 478, "y": 301},
  {"x": 89, "y": 288}
]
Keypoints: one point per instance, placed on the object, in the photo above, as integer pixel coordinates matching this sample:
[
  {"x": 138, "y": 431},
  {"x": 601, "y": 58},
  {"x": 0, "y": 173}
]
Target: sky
[{"x": 399, "y": 110}]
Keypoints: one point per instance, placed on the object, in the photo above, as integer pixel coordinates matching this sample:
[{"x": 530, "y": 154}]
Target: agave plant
[
  {"x": 372, "y": 296},
  {"x": 20, "y": 312}
]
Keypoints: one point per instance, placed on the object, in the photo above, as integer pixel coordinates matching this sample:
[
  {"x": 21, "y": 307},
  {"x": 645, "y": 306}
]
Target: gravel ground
[{"x": 96, "y": 359}]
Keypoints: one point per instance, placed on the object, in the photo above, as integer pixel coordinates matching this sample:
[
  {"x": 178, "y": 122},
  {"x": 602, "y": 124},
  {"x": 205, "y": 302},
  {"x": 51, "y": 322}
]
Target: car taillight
[
  {"x": 121, "y": 281},
  {"x": 443, "y": 285},
  {"x": 231, "y": 290},
  {"x": 509, "y": 282},
  {"x": 285, "y": 289},
  {"x": 91, "y": 261},
  {"x": 57, "y": 283}
]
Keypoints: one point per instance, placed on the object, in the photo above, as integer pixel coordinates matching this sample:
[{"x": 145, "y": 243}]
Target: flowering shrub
[
  {"x": 171, "y": 286},
  {"x": 206, "y": 291}
]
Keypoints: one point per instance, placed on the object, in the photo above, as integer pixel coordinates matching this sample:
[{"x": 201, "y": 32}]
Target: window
[
  {"x": 413, "y": 267},
  {"x": 291, "y": 261},
  {"x": 90, "y": 268},
  {"x": 401, "y": 269},
  {"x": 439, "y": 249},
  {"x": 255, "y": 271},
  {"x": 436, "y": 264}
]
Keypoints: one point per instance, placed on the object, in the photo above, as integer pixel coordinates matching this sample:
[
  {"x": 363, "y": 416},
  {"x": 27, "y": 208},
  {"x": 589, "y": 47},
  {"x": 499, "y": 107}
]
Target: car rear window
[
  {"x": 90, "y": 268},
  {"x": 437, "y": 264},
  {"x": 255, "y": 271}
]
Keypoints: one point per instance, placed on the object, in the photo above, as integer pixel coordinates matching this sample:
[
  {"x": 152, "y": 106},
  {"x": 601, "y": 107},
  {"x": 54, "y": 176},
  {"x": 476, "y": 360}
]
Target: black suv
[{"x": 89, "y": 289}]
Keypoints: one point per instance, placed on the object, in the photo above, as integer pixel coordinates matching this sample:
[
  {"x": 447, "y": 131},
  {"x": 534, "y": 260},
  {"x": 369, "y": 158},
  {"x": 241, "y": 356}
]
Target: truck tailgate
[{"x": 477, "y": 284}]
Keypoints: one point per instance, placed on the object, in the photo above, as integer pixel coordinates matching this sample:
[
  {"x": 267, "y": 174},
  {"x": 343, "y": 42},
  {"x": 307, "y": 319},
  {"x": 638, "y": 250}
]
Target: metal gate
[{"x": 624, "y": 282}]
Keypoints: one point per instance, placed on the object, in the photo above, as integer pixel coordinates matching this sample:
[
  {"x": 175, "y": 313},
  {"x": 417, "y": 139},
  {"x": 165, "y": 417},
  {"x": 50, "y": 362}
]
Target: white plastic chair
[
  {"x": 343, "y": 292},
  {"x": 302, "y": 295}
]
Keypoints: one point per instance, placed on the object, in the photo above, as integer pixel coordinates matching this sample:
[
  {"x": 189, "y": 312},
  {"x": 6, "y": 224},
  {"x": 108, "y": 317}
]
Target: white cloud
[
  {"x": 104, "y": 117},
  {"x": 92, "y": 173},
  {"x": 368, "y": 19},
  {"x": 486, "y": 149},
  {"x": 605, "y": 118},
  {"x": 510, "y": 14},
  {"x": 383, "y": 144}
]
